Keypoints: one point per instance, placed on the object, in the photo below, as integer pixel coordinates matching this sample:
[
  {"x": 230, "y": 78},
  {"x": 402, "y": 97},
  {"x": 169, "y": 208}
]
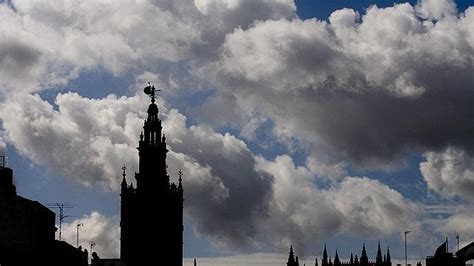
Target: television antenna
[{"x": 62, "y": 216}]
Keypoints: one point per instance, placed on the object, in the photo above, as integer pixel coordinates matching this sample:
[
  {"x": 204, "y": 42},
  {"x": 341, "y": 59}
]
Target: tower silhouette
[{"x": 152, "y": 213}]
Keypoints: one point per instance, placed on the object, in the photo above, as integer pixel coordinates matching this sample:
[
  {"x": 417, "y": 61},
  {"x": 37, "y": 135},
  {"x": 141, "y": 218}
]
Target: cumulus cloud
[
  {"x": 89, "y": 139},
  {"x": 233, "y": 197},
  {"x": 83, "y": 138},
  {"x": 222, "y": 164},
  {"x": 458, "y": 224},
  {"x": 449, "y": 172},
  {"x": 360, "y": 86},
  {"x": 356, "y": 206},
  {"x": 94, "y": 228},
  {"x": 47, "y": 45},
  {"x": 436, "y": 9},
  {"x": 365, "y": 89}
]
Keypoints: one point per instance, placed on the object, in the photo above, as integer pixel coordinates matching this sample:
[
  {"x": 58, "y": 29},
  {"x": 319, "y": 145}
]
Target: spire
[
  {"x": 337, "y": 262},
  {"x": 378, "y": 258},
  {"x": 389, "y": 260},
  {"x": 291, "y": 257},
  {"x": 316, "y": 262},
  {"x": 297, "y": 261},
  {"x": 195, "y": 262},
  {"x": 180, "y": 185},
  {"x": 364, "y": 260},
  {"x": 324, "y": 261},
  {"x": 351, "y": 260},
  {"x": 124, "y": 181},
  {"x": 356, "y": 260}
]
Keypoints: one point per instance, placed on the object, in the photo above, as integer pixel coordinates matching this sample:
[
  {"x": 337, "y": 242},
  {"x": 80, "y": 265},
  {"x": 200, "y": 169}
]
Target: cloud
[
  {"x": 89, "y": 139},
  {"x": 358, "y": 87},
  {"x": 236, "y": 199},
  {"x": 95, "y": 228},
  {"x": 46, "y": 45},
  {"x": 83, "y": 138},
  {"x": 449, "y": 172},
  {"x": 364, "y": 89},
  {"x": 3, "y": 145},
  {"x": 434, "y": 10},
  {"x": 219, "y": 174},
  {"x": 356, "y": 206},
  {"x": 458, "y": 224}
]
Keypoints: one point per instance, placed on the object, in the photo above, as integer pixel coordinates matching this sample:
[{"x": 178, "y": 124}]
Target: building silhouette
[
  {"x": 363, "y": 260},
  {"x": 292, "y": 259},
  {"x": 353, "y": 261},
  {"x": 152, "y": 212},
  {"x": 27, "y": 231},
  {"x": 443, "y": 257}
]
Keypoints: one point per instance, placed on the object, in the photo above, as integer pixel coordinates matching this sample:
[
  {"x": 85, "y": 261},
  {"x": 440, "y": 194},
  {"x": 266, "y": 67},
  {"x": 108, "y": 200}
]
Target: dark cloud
[{"x": 372, "y": 91}]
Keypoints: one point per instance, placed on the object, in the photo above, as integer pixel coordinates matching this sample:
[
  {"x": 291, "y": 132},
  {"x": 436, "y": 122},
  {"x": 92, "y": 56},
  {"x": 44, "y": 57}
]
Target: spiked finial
[
  {"x": 180, "y": 174},
  {"x": 123, "y": 169}
]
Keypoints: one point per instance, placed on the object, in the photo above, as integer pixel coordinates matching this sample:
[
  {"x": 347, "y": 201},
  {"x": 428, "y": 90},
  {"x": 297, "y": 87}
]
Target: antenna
[{"x": 61, "y": 207}]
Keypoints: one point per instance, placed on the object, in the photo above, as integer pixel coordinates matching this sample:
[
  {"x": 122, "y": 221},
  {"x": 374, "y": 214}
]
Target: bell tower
[{"x": 152, "y": 212}]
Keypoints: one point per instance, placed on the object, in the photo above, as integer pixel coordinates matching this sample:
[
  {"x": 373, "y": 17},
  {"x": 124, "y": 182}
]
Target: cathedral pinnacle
[{"x": 180, "y": 185}]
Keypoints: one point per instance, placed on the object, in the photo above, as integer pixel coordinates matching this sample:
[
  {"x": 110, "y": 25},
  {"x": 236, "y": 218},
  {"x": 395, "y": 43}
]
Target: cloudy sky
[{"x": 295, "y": 122}]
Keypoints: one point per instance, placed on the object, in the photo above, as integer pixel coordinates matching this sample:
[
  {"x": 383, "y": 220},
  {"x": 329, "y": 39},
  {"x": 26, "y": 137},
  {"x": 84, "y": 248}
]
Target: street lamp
[
  {"x": 457, "y": 240},
  {"x": 77, "y": 233},
  {"x": 406, "y": 260}
]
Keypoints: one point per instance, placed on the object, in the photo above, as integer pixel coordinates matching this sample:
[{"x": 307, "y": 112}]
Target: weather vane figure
[{"x": 150, "y": 90}]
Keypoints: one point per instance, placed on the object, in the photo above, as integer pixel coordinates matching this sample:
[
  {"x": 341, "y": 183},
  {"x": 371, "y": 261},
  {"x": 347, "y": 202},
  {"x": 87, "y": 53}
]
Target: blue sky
[{"x": 307, "y": 122}]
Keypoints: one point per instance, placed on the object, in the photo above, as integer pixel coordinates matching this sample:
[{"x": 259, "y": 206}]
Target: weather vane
[{"x": 150, "y": 90}]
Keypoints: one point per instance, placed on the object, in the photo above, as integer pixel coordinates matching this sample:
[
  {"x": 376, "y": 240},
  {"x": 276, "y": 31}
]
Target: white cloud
[
  {"x": 235, "y": 199},
  {"x": 84, "y": 138},
  {"x": 459, "y": 224},
  {"x": 360, "y": 87},
  {"x": 436, "y": 9},
  {"x": 88, "y": 140},
  {"x": 96, "y": 228},
  {"x": 356, "y": 206},
  {"x": 449, "y": 172}
]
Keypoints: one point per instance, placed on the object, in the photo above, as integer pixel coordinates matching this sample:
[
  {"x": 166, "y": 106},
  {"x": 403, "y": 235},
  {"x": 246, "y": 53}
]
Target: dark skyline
[{"x": 294, "y": 122}]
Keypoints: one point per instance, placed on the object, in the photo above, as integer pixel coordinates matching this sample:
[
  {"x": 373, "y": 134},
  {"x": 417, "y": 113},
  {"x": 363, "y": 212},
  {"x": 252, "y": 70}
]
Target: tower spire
[
  {"x": 180, "y": 181},
  {"x": 337, "y": 261},
  {"x": 389, "y": 260},
  {"x": 124, "y": 181},
  {"x": 364, "y": 260},
  {"x": 378, "y": 258},
  {"x": 324, "y": 261}
]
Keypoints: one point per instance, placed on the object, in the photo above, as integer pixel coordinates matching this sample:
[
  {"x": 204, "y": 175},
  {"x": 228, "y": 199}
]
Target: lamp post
[
  {"x": 406, "y": 259},
  {"x": 77, "y": 233},
  {"x": 457, "y": 240}
]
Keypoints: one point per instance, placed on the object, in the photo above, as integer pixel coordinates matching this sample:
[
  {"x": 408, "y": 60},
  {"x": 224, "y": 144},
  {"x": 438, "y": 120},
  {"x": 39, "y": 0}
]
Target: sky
[{"x": 295, "y": 122}]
